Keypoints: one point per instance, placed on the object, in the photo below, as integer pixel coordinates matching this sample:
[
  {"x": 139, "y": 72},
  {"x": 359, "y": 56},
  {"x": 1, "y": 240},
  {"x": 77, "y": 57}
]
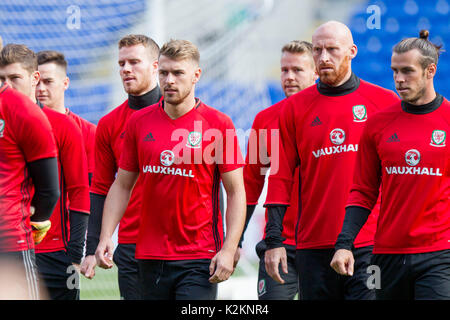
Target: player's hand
[
  {"x": 237, "y": 256},
  {"x": 272, "y": 260},
  {"x": 76, "y": 266},
  {"x": 104, "y": 253},
  {"x": 88, "y": 266},
  {"x": 221, "y": 266},
  {"x": 39, "y": 230},
  {"x": 343, "y": 262}
]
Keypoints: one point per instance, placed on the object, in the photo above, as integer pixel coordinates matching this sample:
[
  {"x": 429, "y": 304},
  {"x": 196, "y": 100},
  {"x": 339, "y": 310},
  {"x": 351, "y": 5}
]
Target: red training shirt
[
  {"x": 264, "y": 137},
  {"x": 320, "y": 133},
  {"x": 88, "y": 131},
  {"x": 410, "y": 156},
  {"x": 109, "y": 141},
  {"x": 180, "y": 162},
  {"x": 74, "y": 186},
  {"x": 25, "y": 136}
]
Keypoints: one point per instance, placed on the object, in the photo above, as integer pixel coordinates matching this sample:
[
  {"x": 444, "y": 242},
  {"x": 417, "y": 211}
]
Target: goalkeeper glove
[{"x": 39, "y": 230}]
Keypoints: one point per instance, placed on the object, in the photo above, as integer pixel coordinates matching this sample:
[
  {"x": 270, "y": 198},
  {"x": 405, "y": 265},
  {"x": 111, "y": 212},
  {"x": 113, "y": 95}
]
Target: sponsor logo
[
  {"x": 2, "y": 127},
  {"x": 316, "y": 122},
  {"x": 194, "y": 139},
  {"x": 335, "y": 150},
  {"x": 261, "y": 287},
  {"x": 412, "y": 157},
  {"x": 393, "y": 138},
  {"x": 167, "y": 158},
  {"x": 359, "y": 113},
  {"x": 438, "y": 138},
  {"x": 414, "y": 170},
  {"x": 149, "y": 137},
  {"x": 337, "y": 136},
  {"x": 168, "y": 170}
]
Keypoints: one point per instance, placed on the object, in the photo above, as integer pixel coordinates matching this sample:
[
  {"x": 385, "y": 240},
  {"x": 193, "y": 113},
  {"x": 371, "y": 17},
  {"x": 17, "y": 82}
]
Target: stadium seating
[
  {"x": 399, "y": 19},
  {"x": 44, "y": 25}
]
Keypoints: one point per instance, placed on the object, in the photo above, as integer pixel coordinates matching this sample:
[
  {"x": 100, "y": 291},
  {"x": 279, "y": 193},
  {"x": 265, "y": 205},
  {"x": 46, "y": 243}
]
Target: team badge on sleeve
[
  {"x": 438, "y": 138},
  {"x": 359, "y": 113},
  {"x": 2, "y": 127},
  {"x": 194, "y": 139}
]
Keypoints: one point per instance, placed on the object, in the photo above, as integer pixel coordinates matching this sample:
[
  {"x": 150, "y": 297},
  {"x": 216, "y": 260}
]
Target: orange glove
[{"x": 39, "y": 230}]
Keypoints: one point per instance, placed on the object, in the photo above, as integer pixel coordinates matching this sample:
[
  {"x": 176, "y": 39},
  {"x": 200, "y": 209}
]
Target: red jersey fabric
[
  {"x": 88, "y": 131},
  {"x": 74, "y": 187},
  {"x": 264, "y": 137},
  {"x": 409, "y": 154},
  {"x": 108, "y": 148},
  {"x": 25, "y": 136},
  {"x": 180, "y": 162},
  {"x": 321, "y": 134}
]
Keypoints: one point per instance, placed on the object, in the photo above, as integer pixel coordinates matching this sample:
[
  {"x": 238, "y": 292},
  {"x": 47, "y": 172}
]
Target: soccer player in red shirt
[
  {"x": 412, "y": 246},
  {"x": 319, "y": 132},
  {"x": 28, "y": 177},
  {"x": 64, "y": 243},
  {"x": 297, "y": 73},
  {"x": 180, "y": 247},
  {"x": 138, "y": 67},
  {"x": 50, "y": 92}
]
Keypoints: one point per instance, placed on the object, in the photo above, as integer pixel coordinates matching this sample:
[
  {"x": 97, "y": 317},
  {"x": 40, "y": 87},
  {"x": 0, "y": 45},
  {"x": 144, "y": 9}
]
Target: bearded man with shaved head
[{"x": 320, "y": 128}]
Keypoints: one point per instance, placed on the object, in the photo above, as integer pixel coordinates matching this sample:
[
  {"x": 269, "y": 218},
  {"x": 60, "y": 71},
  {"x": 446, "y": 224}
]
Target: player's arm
[
  {"x": 254, "y": 170},
  {"x": 104, "y": 174},
  {"x": 115, "y": 205},
  {"x": 279, "y": 191},
  {"x": 222, "y": 265},
  {"x": 118, "y": 195},
  {"x": 73, "y": 161},
  {"x": 362, "y": 199},
  {"x": 35, "y": 137},
  {"x": 44, "y": 175}
]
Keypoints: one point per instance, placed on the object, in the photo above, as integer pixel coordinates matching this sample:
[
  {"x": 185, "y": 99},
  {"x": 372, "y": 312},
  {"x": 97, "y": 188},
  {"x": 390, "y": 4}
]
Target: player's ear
[
  {"x": 66, "y": 83},
  {"x": 35, "y": 77},
  {"x": 430, "y": 71},
  {"x": 197, "y": 74},
  {"x": 353, "y": 51}
]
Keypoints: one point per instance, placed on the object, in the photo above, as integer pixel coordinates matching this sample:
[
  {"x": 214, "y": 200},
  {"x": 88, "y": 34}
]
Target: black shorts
[
  {"x": 419, "y": 276},
  {"x": 60, "y": 278},
  {"x": 176, "y": 280},
  {"x": 318, "y": 281},
  {"x": 24, "y": 276},
  {"x": 128, "y": 271},
  {"x": 269, "y": 289}
]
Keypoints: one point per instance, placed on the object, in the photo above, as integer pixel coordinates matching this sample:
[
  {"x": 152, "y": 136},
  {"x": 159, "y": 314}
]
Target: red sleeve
[
  {"x": 33, "y": 131},
  {"x": 255, "y": 170},
  {"x": 105, "y": 161},
  {"x": 129, "y": 159},
  {"x": 282, "y": 168},
  {"x": 367, "y": 175},
  {"x": 232, "y": 156},
  {"x": 90, "y": 147},
  {"x": 73, "y": 161}
]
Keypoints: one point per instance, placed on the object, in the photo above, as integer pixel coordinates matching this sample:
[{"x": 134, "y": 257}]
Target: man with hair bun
[
  {"x": 297, "y": 73},
  {"x": 404, "y": 148}
]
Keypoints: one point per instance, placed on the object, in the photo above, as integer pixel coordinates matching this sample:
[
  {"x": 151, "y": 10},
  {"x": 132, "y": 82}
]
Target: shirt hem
[{"x": 409, "y": 250}]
